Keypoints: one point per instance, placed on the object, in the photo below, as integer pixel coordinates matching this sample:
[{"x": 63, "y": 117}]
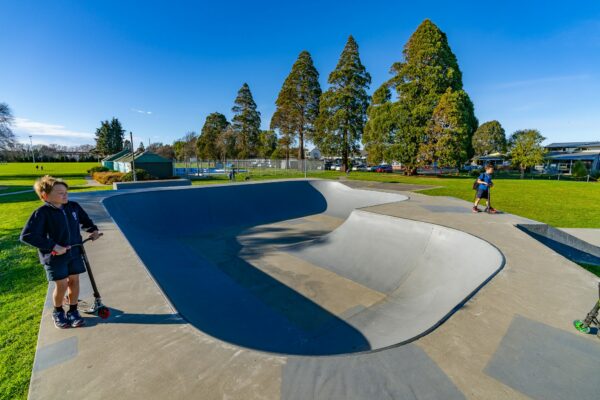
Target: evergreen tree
[
  {"x": 141, "y": 148},
  {"x": 489, "y": 138},
  {"x": 246, "y": 123},
  {"x": 526, "y": 149},
  {"x": 109, "y": 137},
  {"x": 448, "y": 135},
  {"x": 298, "y": 102},
  {"x": 343, "y": 108},
  {"x": 207, "y": 144},
  {"x": 381, "y": 126},
  {"x": 428, "y": 70}
]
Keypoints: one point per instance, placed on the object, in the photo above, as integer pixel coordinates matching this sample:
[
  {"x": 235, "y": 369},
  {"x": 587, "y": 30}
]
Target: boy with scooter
[
  {"x": 54, "y": 228},
  {"x": 483, "y": 190}
]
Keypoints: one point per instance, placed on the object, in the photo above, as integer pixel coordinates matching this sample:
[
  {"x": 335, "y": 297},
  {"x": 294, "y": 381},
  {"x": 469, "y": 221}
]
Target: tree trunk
[
  {"x": 345, "y": 153},
  {"x": 301, "y": 149},
  {"x": 522, "y": 172}
]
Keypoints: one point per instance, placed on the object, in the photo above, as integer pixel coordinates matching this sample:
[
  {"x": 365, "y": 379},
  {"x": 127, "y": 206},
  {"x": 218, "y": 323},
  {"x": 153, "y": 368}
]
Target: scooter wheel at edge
[{"x": 104, "y": 312}]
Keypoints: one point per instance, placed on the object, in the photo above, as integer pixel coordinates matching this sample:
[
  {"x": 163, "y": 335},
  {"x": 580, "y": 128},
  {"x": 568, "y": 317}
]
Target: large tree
[
  {"x": 164, "y": 150},
  {"x": 343, "y": 108},
  {"x": 526, "y": 149},
  {"x": 226, "y": 144},
  {"x": 7, "y": 138},
  {"x": 207, "y": 144},
  {"x": 429, "y": 68},
  {"x": 489, "y": 138},
  {"x": 381, "y": 126},
  {"x": 448, "y": 136},
  {"x": 298, "y": 102},
  {"x": 109, "y": 137},
  {"x": 246, "y": 123}
]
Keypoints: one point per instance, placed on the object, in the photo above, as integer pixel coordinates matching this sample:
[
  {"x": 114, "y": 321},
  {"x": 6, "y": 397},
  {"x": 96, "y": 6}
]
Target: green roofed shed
[
  {"x": 154, "y": 164},
  {"x": 108, "y": 161}
]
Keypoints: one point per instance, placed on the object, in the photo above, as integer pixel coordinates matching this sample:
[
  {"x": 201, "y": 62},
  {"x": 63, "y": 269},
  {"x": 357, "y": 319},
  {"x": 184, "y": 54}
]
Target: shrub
[
  {"x": 579, "y": 170},
  {"x": 107, "y": 178},
  {"x": 141, "y": 175},
  {"x": 474, "y": 172},
  {"x": 98, "y": 168}
]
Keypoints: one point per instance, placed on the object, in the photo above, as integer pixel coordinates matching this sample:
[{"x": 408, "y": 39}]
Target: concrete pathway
[
  {"x": 591, "y": 236},
  {"x": 512, "y": 340}
]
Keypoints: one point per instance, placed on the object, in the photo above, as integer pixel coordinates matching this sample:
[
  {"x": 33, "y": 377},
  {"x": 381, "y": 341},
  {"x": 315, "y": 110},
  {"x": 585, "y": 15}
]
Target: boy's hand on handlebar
[
  {"x": 94, "y": 235},
  {"x": 59, "y": 250}
]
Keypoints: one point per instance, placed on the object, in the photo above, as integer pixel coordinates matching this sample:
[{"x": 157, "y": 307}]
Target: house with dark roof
[
  {"x": 154, "y": 164},
  {"x": 561, "y": 157},
  {"x": 108, "y": 161}
]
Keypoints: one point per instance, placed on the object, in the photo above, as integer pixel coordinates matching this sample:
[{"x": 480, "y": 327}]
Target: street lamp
[{"x": 31, "y": 147}]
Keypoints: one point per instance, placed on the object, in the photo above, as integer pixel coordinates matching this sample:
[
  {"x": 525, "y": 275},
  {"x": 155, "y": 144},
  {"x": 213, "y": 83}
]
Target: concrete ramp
[
  {"x": 426, "y": 271},
  {"x": 294, "y": 267}
]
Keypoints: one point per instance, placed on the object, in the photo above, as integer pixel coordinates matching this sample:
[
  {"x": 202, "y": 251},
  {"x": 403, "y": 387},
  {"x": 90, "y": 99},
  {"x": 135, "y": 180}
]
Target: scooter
[
  {"x": 591, "y": 319},
  {"x": 97, "y": 308}
]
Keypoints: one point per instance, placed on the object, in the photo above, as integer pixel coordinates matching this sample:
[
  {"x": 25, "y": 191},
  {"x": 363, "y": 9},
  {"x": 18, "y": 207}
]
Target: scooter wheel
[{"x": 104, "y": 312}]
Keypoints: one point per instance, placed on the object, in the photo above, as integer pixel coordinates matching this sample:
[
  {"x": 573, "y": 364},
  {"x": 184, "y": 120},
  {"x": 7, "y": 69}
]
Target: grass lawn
[
  {"x": 21, "y": 176},
  {"x": 22, "y": 279},
  {"x": 23, "y": 283},
  {"x": 563, "y": 204}
]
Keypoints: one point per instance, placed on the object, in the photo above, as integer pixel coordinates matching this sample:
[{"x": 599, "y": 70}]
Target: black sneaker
[
  {"x": 60, "y": 321},
  {"x": 74, "y": 319}
]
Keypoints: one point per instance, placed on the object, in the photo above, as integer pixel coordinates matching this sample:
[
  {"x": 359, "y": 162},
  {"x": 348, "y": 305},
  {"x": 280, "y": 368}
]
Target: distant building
[
  {"x": 152, "y": 163},
  {"x": 108, "y": 161},
  {"x": 561, "y": 157}
]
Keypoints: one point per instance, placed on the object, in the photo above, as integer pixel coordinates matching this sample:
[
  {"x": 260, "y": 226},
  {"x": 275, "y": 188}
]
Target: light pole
[
  {"x": 132, "y": 157},
  {"x": 31, "y": 147}
]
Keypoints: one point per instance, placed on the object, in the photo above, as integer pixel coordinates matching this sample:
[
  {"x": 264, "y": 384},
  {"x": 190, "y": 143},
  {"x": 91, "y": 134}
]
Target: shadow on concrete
[{"x": 120, "y": 317}]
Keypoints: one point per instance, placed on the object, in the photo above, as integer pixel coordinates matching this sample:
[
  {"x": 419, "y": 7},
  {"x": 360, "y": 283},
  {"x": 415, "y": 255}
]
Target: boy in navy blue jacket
[
  {"x": 54, "y": 228},
  {"x": 483, "y": 190}
]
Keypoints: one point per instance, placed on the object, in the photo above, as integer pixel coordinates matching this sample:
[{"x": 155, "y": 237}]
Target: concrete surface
[
  {"x": 147, "y": 350},
  {"x": 151, "y": 184},
  {"x": 592, "y": 236}
]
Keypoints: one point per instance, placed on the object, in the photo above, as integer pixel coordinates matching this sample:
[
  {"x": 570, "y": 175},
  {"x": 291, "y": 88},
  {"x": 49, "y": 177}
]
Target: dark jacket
[{"x": 49, "y": 225}]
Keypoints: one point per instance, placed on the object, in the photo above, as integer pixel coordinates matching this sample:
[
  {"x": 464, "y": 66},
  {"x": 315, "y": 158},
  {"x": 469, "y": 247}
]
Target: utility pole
[
  {"x": 132, "y": 157},
  {"x": 31, "y": 147}
]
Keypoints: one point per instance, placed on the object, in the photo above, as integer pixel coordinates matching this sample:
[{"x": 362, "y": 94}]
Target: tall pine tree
[
  {"x": 428, "y": 70},
  {"x": 298, "y": 103},
  {"x": 246, "y": 124},
  {"x": 109, "y": 137},
  {"x": 343, "y": 108}
]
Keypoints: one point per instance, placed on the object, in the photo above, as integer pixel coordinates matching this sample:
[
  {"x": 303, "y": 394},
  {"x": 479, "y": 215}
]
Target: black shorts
[
  {"x": 60, "y": 267},
  {"x": 483, "y": 194}
]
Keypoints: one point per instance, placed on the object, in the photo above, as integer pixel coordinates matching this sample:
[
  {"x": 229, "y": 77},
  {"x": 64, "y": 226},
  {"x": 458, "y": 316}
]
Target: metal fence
[{"x": 197, "y": 169}]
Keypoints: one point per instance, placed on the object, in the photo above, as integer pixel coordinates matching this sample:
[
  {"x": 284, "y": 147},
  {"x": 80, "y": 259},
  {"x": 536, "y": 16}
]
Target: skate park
[{"x": 312, "y": 289}]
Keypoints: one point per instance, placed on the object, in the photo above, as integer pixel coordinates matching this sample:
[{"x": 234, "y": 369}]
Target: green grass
[
  {"x": 564, "y": 204},
  {"x": 22, "y": 279},
  {"x": 21, "y": 176}
]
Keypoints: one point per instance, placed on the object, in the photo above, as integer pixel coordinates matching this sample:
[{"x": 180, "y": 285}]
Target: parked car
[{"x": 384, "y": 168}]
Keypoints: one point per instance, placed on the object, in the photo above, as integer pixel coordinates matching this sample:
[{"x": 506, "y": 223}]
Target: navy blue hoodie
[{"x": 49, "y": 225}]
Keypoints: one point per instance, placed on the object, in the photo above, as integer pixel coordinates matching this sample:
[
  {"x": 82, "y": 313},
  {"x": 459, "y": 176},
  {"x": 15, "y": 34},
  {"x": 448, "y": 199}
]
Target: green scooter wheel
[{"x": 581, "y": 326}]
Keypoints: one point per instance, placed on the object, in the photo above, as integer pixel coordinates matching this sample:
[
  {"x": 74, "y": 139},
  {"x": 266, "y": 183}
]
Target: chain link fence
[{"x": 201, "y": 169}]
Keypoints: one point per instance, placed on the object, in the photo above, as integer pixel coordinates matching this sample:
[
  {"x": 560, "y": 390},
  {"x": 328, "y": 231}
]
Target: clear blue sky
[{"x": 161, "y": 67}]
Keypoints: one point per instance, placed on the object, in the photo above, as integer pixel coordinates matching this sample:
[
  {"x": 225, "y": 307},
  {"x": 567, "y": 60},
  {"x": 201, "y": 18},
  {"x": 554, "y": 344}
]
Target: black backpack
[{"x": 475, "y": 184}]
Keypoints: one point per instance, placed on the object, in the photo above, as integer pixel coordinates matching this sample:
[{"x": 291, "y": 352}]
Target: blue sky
[{"x": 161, "y": 67}]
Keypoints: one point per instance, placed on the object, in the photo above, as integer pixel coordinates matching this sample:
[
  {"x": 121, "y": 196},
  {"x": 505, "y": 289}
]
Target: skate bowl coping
[{"x": 401, "y": 278}]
